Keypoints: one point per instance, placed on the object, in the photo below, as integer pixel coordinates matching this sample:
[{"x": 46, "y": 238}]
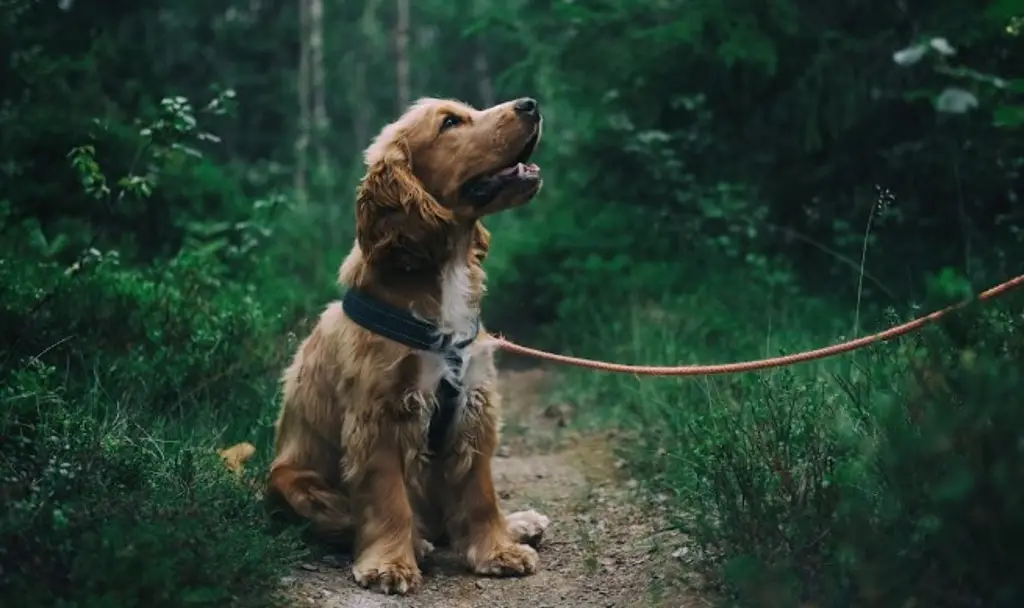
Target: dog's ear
[
  {"x": 481, "y": 242},
  {"x": 397, "y": 221}
]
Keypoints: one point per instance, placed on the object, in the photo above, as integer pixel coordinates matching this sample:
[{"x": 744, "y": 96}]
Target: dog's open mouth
[{"x": 482, "y": 189}]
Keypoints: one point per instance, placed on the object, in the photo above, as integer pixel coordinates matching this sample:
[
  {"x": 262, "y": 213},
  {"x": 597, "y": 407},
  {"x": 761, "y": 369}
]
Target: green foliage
[
  {"x": 122, "y": 375},
  {"x": 722, "y": 180},
  {"x": 945, "y": 456},
  {"x": 719, "y": 192},
  {"x": 886, "y": 478},
  {"x": 91, "y": 496},
  {"x": 804, "y": 116},
  {"x": 110, "y": 424}
]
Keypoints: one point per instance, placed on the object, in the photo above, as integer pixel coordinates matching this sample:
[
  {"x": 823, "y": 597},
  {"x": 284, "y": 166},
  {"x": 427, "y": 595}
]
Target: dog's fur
[{"x": 351, "y": 444}]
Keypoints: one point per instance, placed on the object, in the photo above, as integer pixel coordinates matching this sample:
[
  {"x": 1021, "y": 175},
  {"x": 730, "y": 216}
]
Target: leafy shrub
[
  {"x": 98, "y": 512},
  {"x": 888, "y": 477},
  {"x": 123, "y": 368},
  {"x": 120, "y": 383},
  {"x": 935, "y": 518}
]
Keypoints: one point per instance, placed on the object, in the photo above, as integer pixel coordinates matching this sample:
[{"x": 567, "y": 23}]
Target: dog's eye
[{"x": 449, "y": 122}]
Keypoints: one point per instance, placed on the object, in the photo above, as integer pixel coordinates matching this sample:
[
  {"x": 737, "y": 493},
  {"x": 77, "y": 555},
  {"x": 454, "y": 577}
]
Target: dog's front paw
[
  {"x": 510, "y": 559},
  {"x": 391, "y": 577},
  {"x": 527, "y": 527}
]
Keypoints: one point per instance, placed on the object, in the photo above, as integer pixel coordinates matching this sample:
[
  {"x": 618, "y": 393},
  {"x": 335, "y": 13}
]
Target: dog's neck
[{"x": 444, "y": 288}]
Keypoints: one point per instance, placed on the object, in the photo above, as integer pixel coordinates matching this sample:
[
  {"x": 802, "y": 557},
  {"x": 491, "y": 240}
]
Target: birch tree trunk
[
  {"x": 402, "y": 55},
  {"x": 481, "y": 67},
  {"x": 360, "y": 110},
  {"x": 485, "y": 88},
  {"x": 303, "y": 127},
  {"x": 320, "y": 121}
]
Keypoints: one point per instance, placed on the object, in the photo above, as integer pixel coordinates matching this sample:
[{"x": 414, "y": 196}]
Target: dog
[{"x": 390, "y": 413}]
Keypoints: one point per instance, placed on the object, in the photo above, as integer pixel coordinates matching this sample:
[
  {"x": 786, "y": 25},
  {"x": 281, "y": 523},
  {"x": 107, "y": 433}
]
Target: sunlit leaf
[
  {"x": 910, "y": 55},
  {"x": 955, "y": 101}
]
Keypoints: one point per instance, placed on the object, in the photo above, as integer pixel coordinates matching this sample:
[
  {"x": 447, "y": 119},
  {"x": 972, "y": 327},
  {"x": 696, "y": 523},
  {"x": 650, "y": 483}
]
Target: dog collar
[{"x": 401, "y": 326}]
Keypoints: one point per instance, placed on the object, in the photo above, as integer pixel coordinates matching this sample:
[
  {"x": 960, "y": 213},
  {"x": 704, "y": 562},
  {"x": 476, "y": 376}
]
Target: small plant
[
  {"x": 885, "y": 477},
  {"x": 118, "y": 379}
]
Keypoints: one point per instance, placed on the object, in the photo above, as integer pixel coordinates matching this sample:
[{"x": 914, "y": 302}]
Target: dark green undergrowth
[
  {"x": 890, "y": 477},
  {"x": 128, "y": 360},
  {"x": 722, "y": 180},
  {"x": 101, "y": 511},
  {"x": 119, "y": 383},
  {"x": 886, "y": 477}
]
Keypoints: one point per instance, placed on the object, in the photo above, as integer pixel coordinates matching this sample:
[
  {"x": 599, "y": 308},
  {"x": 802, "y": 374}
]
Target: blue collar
[{"x": 401, "y": 326}]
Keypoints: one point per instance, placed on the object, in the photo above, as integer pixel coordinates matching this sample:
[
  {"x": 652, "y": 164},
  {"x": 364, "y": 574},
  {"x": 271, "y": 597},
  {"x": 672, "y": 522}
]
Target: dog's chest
[
  {"x": 458, "y": 312},
  {"x": 457, "y": 318}
]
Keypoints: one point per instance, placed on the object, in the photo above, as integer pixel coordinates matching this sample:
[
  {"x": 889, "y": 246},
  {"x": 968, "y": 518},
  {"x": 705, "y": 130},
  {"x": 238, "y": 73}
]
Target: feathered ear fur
[{"x": 398, "y": 223}]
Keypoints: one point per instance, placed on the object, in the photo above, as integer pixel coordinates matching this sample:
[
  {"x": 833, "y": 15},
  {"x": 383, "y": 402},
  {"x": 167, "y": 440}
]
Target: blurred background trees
[{"x": 176, "y": 196}]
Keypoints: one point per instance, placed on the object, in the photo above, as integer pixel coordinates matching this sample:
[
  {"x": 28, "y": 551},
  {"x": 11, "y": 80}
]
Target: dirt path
[{"x": 600, "y": 550}]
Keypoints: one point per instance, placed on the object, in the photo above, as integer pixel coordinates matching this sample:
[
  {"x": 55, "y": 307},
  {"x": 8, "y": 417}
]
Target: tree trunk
[
  {"x": 360, "y": 110},
  {"x": 320, "y": 121},
  {"x": 481, "y": 67},
  {"x": 303, "y": 130},
  {"x": 485, "y": 87},
  {"x": 402, "y": 55},
  {"x": 365, "y": 51}
]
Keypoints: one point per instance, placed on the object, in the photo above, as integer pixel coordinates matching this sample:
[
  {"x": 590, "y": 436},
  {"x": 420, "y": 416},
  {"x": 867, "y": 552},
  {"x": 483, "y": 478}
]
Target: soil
[{"x": 603, "y": 548}]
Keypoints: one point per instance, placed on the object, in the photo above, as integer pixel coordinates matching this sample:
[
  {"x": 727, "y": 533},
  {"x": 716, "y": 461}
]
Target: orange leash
[{"x": 760, "y": 364}]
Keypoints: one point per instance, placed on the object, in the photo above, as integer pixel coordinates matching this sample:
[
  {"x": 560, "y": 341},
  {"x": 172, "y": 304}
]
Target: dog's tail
[{"x": 237, "y": 455}]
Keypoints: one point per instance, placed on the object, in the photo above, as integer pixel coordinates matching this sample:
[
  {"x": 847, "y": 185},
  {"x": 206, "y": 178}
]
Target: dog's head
[{"x": 469, "y": 162}]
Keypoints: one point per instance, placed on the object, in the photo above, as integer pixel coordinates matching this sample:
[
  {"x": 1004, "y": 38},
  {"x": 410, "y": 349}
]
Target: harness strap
[{"x": 401, "y": 326}]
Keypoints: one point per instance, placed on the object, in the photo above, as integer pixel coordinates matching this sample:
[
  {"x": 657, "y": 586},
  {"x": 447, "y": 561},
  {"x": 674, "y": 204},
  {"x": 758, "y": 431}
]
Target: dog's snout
[{"x": 527, "y": 106}]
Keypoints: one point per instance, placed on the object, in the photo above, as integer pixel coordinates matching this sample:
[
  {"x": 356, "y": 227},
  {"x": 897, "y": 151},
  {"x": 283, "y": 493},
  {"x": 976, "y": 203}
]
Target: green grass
[
  {"x": 118, "y": 384},
  {"x": 880, "y": 478},
  {"x": 102, "y": 511}
]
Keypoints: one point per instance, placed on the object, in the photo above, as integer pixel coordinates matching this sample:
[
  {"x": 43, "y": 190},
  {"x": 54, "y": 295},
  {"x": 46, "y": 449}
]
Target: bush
[
  {"x": 123, "y": 369},
  {"x": 119, "y": 382},
  {"x": 935, "y": 518},
  {"x": 99, "y": 512},
  {"x": 887, "y": 477}
]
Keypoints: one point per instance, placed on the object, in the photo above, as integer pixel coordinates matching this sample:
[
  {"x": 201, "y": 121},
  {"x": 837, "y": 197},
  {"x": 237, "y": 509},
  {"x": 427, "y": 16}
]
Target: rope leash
[{"x": 760, "y": 364}]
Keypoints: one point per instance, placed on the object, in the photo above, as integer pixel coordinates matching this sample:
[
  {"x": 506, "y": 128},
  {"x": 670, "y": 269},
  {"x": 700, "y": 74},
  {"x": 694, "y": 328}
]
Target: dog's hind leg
[{"x": 312, "y": 498}]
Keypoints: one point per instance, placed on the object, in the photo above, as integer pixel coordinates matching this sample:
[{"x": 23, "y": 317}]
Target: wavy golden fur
[{"x": 351, "y": 442}]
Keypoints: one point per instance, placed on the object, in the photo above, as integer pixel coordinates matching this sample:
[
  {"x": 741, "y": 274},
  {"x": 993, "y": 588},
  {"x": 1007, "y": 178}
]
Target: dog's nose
[{"x": 527, "y": 106}]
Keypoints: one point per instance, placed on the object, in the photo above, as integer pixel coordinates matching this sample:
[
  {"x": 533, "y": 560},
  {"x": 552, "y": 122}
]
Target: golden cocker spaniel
[{"x": 391, "y": 414}]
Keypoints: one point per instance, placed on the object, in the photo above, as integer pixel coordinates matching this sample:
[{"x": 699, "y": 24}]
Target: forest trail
[{"x": 601, "y": 549}]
